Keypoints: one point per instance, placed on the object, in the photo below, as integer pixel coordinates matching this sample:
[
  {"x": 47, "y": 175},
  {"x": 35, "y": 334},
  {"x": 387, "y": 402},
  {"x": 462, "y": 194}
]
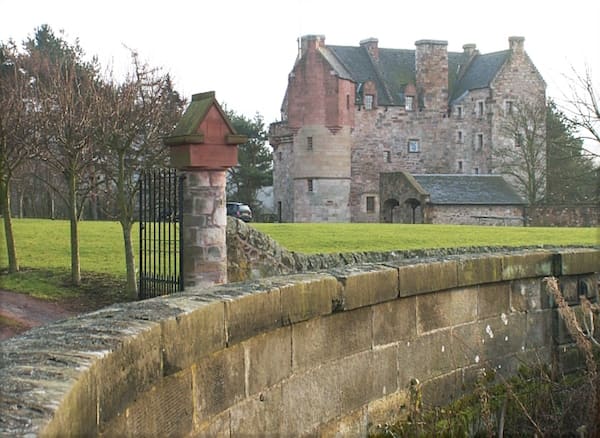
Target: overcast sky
[{"x": 244, "y": 49}]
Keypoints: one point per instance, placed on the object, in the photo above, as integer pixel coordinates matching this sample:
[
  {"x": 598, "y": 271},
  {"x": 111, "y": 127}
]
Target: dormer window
[
  {"x": 409, "y": 102},
  {"x": 369, "y": 98}
]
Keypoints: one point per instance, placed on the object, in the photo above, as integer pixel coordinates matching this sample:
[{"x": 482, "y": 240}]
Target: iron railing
[{"x": 161, "y": 240}]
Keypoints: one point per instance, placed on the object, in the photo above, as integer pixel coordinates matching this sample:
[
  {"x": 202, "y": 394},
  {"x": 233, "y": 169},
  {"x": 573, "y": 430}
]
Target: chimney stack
[
  {"x": 371, "y": 45},
  {"x": 469, "y": 49},
  {"x": 311, "y": 42},
  {"x": 431, "y": 66},
  {"x": 516, "y": 44}
]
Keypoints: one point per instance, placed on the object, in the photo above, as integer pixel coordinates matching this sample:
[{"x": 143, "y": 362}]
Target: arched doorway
[
  {"x": 387, "y": 212},
  {"x": 415, "y": 211}
]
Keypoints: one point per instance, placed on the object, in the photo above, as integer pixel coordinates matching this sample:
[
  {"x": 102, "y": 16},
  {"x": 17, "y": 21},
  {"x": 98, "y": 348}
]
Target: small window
[
  {"x": 476, "y": 170},
  {"x": 480, "y": 109},
  {"x": 413, "y": 146},
  {"x": 370, "y": 204},
  {"x": 459, "y": 136},
  {"x": 369, "y": 101},
  {"x": 279, "y": 156},
  {"x": 347, "y": 101},
  {"x": 459, "y": 111},
  {"x": 479, "y": 141},
  {"x": 387, "y": 156},
  {"x": 310, "y": 185},
  {"x": 409, "y": 103},
  {"x": 309, "y": 143},
  {"x": 460, "y": 166},
  {"x": 508, "y": 107}
]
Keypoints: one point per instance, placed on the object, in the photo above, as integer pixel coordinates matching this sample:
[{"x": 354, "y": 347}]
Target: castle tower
[{"x": 313, "y": 147}]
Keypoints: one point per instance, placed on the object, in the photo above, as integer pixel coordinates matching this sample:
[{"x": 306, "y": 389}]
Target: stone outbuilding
[{"x": 449, "y": 199}]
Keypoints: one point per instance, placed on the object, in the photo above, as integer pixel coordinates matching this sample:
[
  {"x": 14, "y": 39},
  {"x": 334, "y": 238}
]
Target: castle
[{"x": 352, "y": 115}]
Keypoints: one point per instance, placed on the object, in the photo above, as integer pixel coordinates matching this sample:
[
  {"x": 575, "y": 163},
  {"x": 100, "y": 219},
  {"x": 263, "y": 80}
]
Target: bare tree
[
  {"x": 583, "y": 108},
  {"x": 16, "y": 135},
  {"x": 66, "y": 93},
  {"x": 133, "y": 118},
  {"x": 522, "y": 154}
]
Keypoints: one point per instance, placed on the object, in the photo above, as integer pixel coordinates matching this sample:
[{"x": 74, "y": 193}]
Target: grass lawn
[
  {"x": 328, "y": 237},
  {"x": 43, "y": 247}
]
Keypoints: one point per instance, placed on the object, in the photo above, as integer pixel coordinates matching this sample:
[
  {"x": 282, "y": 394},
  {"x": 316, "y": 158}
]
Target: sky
[{"x": 245, "y": 49}]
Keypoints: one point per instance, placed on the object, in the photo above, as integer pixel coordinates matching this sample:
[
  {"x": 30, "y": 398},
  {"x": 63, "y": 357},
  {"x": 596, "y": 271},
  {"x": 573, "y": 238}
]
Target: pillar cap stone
[{"x": 204, "y": 138}]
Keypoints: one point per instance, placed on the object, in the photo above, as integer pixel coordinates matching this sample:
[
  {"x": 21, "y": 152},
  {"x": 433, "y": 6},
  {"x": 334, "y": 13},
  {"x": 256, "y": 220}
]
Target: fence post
[{"x": 204, "y": 146}]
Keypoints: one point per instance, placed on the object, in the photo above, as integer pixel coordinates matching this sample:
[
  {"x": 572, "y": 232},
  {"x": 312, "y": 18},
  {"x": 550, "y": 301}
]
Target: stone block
[
  {"x": 427, "y": 277},
  {"x": 351, "y": 424},
  {"x": 528, "y": 295},
  {"x": 217, "y": 426},
  {"x": 259, "y": 415},
  {"x": 307, "y": 296},
  {"x": 579, "y": 261},
  {"x": 366, "y": 376},
  {"x": 364, "y": 286},
  {"x": 517, "y": 266},
  {"x": 480, "y": 270},
  {"x": 165, "y": 410},
  {"x": 131, "y": 368},
  {"x": 569, "y": 358},
  {"x": 219, "y": 382},
  {"x": 569, "y": 287},
  {"x": 443, "y": 390},
  {"x": 394, "y": 320},
  {"x": 425, "y": 357},
  {"x": 539, "y": 330},
  {"x": 192, "y": 335},
  {"x": 445, "y": 309},
  {"x": 251, "y": 314},
  {"x": 310, "y": 399},
  {"x": 493, "y": 300},
  {"x": 329, "y": 338},
  {"x": 268, "y": 359}
]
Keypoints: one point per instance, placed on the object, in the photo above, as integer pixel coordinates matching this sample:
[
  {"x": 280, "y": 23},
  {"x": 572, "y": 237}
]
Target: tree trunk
[
  {"x": 131, "y": 287},
  {"x": 75, "y": 262},
  {"x": 13, "y": 263}
]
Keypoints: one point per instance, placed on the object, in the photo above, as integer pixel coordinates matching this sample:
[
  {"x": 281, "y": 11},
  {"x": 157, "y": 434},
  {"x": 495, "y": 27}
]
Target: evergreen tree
[
  {"x": 572, "y": 177},
  {"x": 255, "y": 169}
]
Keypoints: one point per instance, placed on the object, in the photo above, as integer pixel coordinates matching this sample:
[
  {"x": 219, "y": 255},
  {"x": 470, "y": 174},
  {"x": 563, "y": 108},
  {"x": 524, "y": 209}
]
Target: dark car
[{"x": 239, "y": 210}]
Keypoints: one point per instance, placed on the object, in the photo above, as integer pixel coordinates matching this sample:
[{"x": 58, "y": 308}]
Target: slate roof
[
  {"x": 462, "y": 189},
  {"x": 396, "y": 68}
]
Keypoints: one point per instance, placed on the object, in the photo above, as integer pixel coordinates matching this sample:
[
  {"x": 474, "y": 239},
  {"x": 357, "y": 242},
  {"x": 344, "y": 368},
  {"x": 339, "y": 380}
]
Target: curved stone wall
[{"x": 320, "y": 353}]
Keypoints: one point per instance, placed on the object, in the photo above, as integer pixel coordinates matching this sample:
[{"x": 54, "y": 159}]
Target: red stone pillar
[{"x": 204, "y": 145}]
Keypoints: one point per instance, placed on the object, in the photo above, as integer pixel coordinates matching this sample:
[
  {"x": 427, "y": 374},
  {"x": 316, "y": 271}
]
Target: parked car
[{"x": 239, "y": 210}]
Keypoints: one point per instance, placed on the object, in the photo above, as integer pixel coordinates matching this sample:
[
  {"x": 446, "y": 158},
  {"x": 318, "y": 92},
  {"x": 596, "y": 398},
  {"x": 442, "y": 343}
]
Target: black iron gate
[{"x": 160, "y": 218}]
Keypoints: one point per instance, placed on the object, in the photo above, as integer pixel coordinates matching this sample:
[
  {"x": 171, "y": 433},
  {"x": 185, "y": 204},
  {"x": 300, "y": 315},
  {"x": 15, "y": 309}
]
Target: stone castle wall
[
  {"x": 314, "y": 354},
  {"x": 563, "y": 216}
]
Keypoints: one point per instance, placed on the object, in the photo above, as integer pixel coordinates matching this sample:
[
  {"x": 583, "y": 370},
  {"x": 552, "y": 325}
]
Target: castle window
[
  {"x": 369, "y": 101},
  {"x": 347, "y": 101},
  {"x": 409, "y": 103},
  {"x": 459, "y": 137},
  {"x": 476, "y": 171},
  {"x": 279, "y": 155},
  {"x": 414, "y": 146},
  {"x": 387, "y": 156},
  {"x": 479, "y": 141},
  {"x": 480, "y": 108},
  {"x": 460, "y": 166},
  {"x": 508, "y": 107},
  {"x": 309, "y": 143},
  {"x": 310, "y": 185},
  {"x": 370, "y": 204},
  {"x": 459, "y": 111}
]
